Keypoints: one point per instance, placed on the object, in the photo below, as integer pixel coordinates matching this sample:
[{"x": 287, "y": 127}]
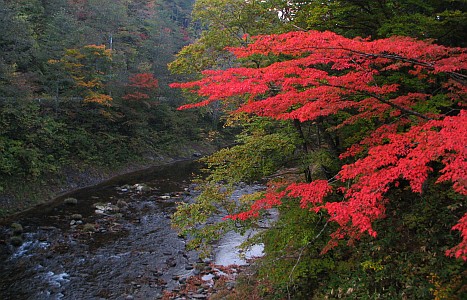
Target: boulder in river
[
  {"x": 17, "y": 228},
  {"x": 141, "y": 187},
  {"x": 76, "y": 217},
  {"x": 70, "y": 201},
  {"x": 16, "y": 240},
  {"x": 124, "y": 188},
  {"x": 102, "y": 208},
  {"x": 121, "y": 203},
  {"x": 89, "y": 227}
]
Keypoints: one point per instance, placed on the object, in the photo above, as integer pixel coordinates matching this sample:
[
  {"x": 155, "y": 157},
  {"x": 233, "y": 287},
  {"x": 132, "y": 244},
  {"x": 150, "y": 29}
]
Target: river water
[{"x": 114, "y": 243}]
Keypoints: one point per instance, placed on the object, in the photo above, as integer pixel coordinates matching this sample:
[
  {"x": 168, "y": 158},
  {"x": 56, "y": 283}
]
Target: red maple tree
[
  {"x": 322, "y": 74},
  {"x": 142, "y": 85}
]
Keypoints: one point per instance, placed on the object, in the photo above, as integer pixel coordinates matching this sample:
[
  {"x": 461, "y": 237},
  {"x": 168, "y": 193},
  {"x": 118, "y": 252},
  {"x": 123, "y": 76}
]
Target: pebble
[
  {"x": 121, "y": 203},
  {"x": 48, "y": 228},
  {"x": 230, "y": 285}
]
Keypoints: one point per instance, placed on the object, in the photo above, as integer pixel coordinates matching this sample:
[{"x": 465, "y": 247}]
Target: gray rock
[
  {"x": 230, "y": 285},
  {"x": 16, "y": 241},
  {"x": 76, "y": 217},
  {"x": 121, "y": 204},
  {"x": 172, "y": 264},
  {"x": 141, "y": 187},
  {"x": 89, "y": 228},
  {"x": 70, "y": 201},
  {"x": 17, "y": 228}
]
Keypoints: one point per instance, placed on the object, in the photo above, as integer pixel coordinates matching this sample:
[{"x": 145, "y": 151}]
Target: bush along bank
[{"x": 17, "y": 194}]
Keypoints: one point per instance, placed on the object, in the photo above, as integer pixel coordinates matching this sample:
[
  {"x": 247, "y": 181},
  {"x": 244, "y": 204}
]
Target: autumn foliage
[
  {"x": 142, "y": 85},
  {"x": 88, "y": 67},
  {"x": 322, "y": 74}
]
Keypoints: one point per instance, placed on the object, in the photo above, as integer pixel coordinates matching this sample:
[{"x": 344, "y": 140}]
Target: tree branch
[{"x": 406, "y": 110}]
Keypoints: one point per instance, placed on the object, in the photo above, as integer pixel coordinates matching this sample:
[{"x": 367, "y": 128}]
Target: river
[{"x": 113, "y": 241}]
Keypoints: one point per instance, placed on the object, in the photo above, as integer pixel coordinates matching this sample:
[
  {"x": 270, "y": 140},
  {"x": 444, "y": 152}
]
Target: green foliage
[
  {"x": 57, "y": 55},
  {"x": 223, "y": 23},
  {"x": 292, "y": 258},
  {"x": 196, "y": 220},
  {"x": 258, "y": 153},
  {"x": 257, "y": 156},
  {"x": 28, "y": 141},
  {"x": 442, "y": 20},
  {"x": 38, "y": 140},
  {"x": 406, "y": 260}
]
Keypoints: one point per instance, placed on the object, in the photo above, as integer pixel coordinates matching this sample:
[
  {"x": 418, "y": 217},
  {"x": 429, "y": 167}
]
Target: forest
[
  {"x": 83, "y": 88},
  {"x": 351, "y": 113}
]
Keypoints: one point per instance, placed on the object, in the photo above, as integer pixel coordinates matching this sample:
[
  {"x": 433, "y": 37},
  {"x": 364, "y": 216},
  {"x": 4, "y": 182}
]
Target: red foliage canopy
[
  {"x": 326, "y": 74},
  {"x": 143, "y": 84}
]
